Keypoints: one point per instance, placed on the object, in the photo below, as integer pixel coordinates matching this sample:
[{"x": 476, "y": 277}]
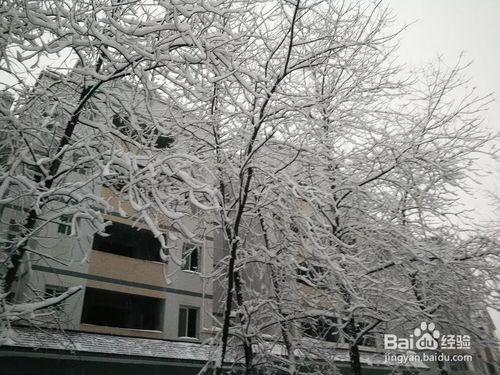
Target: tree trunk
[
  {"x": 234, "y": 282},
  {"x": 355, "y": 359},
  {"x": 415, "y": 283},
  {"x": 354, "y": 356},
  {"x": 247, "y": 343}
]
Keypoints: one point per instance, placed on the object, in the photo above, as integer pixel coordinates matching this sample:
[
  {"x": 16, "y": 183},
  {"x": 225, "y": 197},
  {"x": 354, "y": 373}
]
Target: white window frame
[
  {"x": 187, "y": 253},
  {"x": 184, "y": 333}
]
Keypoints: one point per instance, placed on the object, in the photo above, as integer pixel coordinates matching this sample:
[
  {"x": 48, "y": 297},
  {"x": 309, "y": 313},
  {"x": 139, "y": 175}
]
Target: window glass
[
  {"x": 164, "y": 141},
  {"x": 191, "y": 322},
  {"x": 64, "y": 225},
  {"x": 142, "y": 132},
  {"x": 79, "y": 167},
  {"x": 188, "y": 322},
  {"x": 191, "y": 255},
  {"x": 182, "y": 322}
]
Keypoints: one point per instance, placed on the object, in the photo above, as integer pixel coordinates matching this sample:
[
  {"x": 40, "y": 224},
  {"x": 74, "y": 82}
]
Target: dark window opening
[
  {"x": 122, "y": 123},
  {"x": 114, "y": 309},
  {"x": 124, "y": 240},
  {"x": 164, "y": 141},
  {"x": 368, "y": 340},
  {"x": 64, "y": 225},
  {"x": 191, "y": 256},
  {"x": 78, "y": 165},
  {"x": 323, "y": 328},
  {"x": 188, "y": 322},
  {"x": 33, "y": 171},
  {"x": 294, "y": 228},
  {"x": 145, "y": 135}
]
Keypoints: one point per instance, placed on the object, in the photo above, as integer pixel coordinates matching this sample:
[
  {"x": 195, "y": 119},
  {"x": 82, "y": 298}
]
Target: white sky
[{"x": 446, "y": 28}]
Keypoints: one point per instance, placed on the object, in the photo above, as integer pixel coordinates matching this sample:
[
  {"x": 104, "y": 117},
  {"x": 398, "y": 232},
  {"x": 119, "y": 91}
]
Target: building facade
[{"x": 138, "y": 312}]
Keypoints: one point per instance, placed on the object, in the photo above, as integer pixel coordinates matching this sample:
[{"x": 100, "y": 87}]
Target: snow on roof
[
  {"x": 36, "y": 338},
  {"x": 44, "y": 338}
]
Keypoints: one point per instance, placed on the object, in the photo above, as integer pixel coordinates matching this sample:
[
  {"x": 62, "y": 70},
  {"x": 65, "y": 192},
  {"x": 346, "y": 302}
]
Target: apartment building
[
  {"x": 136, "y": 313},
  {"x": 129, "y": 289}
]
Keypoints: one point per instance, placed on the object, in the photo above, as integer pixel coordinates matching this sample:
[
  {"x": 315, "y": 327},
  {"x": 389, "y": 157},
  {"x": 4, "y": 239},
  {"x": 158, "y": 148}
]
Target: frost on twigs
[
  {"x": 283, "y": 130},
  {"x": 92, "y": 125},
  {"x": 13, "y": 312}
]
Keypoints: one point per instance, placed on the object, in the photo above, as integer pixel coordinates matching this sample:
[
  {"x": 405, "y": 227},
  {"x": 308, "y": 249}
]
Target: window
[
  {"x": 188, "y": 322},
  {"x": 323, "y": 328},
  {"x": 64, "y": 225},
  {"x": 122, "y": 123},
  {"x": 113, "y": 309},
  {"x": 124, "y": 240},
  {"x": 369, "y": 340},
  {"x": 164, "y": 141},
  {"x": 191, "y": 255},
  {"x": 33, "y": 171},
  {"x": 79, "y": 166},
  {"x": 146, "y": 135}
]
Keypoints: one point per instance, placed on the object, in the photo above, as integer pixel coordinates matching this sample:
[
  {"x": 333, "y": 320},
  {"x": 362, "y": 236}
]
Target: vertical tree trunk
[
  {"x": 284, "y": 327},
  {"x": 355, "y": 359},
  {"x": 354, "y": 356},
  {"x": 415, "y": 284},
  {"x": 247, "y": 342},
  {"x": 350, "y": 329},
  {"x": 234, "y": 284}
]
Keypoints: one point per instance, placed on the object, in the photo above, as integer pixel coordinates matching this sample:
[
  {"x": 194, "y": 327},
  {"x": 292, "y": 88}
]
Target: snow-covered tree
[
  {"x": 284, "y": 126},
  {"x": 342, "y": 143},
  {"x": 91, "y": 114}
]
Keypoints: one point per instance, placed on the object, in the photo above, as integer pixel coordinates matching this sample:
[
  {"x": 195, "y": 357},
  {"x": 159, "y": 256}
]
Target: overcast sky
[{"x": 446, "y": 28}]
